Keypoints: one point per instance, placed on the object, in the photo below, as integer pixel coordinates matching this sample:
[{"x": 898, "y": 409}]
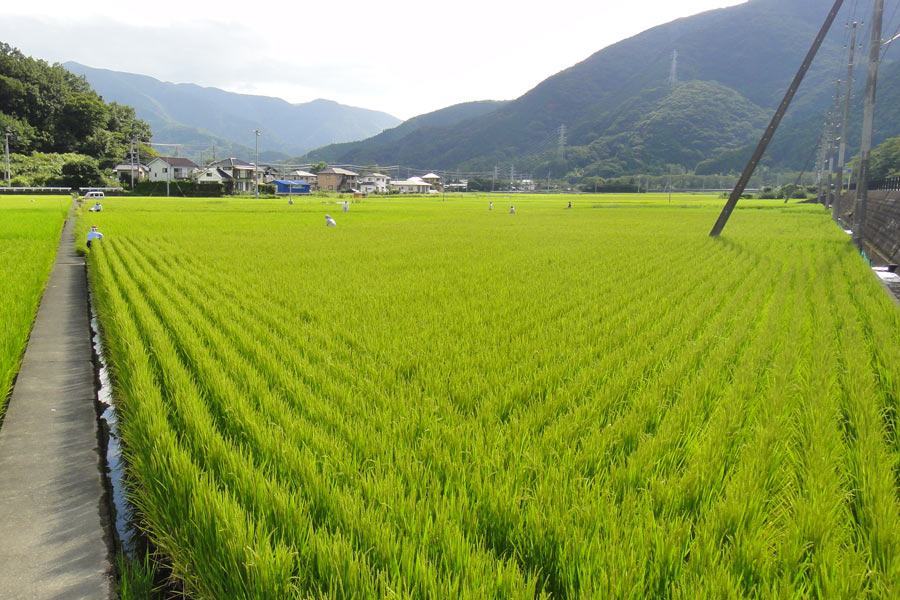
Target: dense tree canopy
[
  {"x": 47, "y": 109},
  {"x": 885, "y": 159}
]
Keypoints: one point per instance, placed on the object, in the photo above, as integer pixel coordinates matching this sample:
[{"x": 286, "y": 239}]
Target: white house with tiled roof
[
  {"x": 374, "y": 183},
  {"x": 213, "y": 175},
  {"x": 413, "y": 185},
  {"x": 170, "y": 168},
  {"x": 241, "y": 171}
]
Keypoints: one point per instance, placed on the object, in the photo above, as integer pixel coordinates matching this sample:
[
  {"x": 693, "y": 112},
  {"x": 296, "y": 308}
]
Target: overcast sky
[{"x": 403, "y": 57}]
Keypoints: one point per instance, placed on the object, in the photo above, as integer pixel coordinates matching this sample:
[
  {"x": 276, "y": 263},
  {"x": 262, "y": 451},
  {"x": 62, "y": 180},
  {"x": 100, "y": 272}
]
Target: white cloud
[{"x": 404, "y": 57}]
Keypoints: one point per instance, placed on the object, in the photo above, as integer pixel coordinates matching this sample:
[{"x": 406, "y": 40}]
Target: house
[
  {"x": 374, "y": 183},
  {"x": 413, "y": 185},
  {"x": 213, "y": 175},
  {"x": 335, "y": 179},
  {"x": 433, "y": 180},
  {"x": 124, "y": 171},
  {"x": 240, "y": 171},
  {"x": 289, "y": 186},
  {"x": 170, "y": 168},
  {"x": 311, "y": 178}
]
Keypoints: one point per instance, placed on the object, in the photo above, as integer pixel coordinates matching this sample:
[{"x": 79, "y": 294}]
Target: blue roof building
[{"x": 289, "y": 186}]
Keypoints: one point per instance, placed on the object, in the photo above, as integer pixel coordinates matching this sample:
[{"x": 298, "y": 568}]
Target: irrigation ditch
[{"x": 131, "y": 550}]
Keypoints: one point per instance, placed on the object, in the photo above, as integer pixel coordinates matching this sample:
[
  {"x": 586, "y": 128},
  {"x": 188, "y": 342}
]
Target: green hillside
[
  {"x": 61, "y": 131},
  {"x": 445, "y": 117}
]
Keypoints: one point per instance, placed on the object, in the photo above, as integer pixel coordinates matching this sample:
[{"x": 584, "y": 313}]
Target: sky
[{"x": 402, "y": 57}]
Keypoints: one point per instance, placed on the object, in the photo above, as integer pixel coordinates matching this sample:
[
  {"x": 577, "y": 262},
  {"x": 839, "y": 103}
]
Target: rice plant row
[
  {"x": 434, "y": 400},
  {"x": 29, "y": 235}
]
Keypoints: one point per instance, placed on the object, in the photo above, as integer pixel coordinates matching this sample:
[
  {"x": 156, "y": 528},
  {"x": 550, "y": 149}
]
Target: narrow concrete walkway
[{"x": 53, "y": 517}]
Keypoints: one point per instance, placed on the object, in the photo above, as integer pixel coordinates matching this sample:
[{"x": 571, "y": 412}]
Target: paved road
[{"x": 53, "y": 517}]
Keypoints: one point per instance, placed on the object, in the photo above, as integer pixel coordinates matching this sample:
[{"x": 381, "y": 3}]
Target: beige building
[
  {"x": 433, "y": 180},
  {"x": 335, "y": 179}
]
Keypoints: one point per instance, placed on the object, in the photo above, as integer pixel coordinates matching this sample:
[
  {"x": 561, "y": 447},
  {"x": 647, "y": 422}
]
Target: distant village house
[
  {"x": 433, "y": 180},
  {"x": 124, "y": 171},
  {"x": 171, "y": 168},
  {"x": 240, "y": 171},
  {"x": 374, "y": 183},
  {"x": 413, "y": 185},
  {"x": 335, "y": 179}
]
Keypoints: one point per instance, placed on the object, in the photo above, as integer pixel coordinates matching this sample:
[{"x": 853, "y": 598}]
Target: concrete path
[{"x": 53, "y": 516}]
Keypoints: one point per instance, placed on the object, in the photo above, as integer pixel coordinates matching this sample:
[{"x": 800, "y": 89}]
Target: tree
[
  {"x": 885, "y": 160},
  {"x": 82, "y": 171}
]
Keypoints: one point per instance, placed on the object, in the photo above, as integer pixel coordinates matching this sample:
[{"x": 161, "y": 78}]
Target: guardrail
[
  {"x": 891, "y": 184},
  {"x": 36, "y": 190}
]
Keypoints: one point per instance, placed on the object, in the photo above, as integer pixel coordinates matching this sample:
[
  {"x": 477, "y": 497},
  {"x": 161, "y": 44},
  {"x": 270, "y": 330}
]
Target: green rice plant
[
  {"x": 29, "y": 236},
  {"x": 433, "y": 400}
]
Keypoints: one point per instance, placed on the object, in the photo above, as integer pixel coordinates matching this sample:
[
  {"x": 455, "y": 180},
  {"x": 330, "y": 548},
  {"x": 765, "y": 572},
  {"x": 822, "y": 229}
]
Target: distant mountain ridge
[
  {"x": 356, "y": 152},
  {"x": 622, "y": 115},
  {"x": 200, "y": 117}
]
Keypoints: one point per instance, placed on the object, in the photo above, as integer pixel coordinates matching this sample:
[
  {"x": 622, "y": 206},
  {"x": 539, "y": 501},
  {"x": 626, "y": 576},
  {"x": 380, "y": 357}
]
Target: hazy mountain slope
[
  {"x": 197, "y": 115},
  {"x": 361, "y": 151},
  {"x": 734, "y": 65}
]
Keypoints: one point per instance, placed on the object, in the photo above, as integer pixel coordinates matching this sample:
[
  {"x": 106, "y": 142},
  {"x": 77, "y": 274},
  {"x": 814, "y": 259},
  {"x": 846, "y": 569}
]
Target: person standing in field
[
  {"x": 512, "y": 210},
  {"x": 329, "y": 222},
  {"x": 491, "y": 206},
  {"x": 570, "y": 204},
  {"x": 96, "y": 207},
  {"x": 346, "y": 206},
  {"x": 92, "y": 235}
]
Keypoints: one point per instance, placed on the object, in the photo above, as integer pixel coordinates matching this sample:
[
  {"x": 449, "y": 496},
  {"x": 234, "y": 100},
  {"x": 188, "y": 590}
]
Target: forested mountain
[
  {"x": 446, "y": 117},
  {"x": 623, "y": 115},
  {"x": 201, "y": 117}
]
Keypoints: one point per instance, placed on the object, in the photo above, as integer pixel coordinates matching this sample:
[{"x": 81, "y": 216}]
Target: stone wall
[{"x": 882, "y": 231}]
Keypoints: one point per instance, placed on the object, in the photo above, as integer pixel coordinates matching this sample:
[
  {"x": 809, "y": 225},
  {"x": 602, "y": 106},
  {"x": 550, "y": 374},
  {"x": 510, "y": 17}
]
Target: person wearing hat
[
  {"x": 92, "y": 235},
  {"x": 329, "y": 222}
]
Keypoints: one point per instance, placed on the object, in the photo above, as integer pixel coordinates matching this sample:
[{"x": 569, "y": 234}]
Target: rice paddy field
[
  {"x": 29, "y": 236},
  {"x": 435, "y": 400}
]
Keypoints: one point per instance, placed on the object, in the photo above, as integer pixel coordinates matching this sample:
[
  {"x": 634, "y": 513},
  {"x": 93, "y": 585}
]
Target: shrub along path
[{"x": 54, "y": 533}]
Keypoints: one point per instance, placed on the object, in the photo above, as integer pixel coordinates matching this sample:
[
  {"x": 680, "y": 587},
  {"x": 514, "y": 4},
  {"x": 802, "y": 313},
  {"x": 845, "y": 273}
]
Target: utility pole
[
  {"x": 256, "y": 164},
  {"x": 132, "y": 164},
  {"x": 845, "y": 112},
  {"x": 831, "y": 147},
  {"x": 8, "y": 179},
  {"x": 776, "y": 120},
  {"x": 168, "y": 175},
  {"x": 512, "y": 176},
  {"x": 862, "y": 188},
  {"x": 494, "y": 178}
]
